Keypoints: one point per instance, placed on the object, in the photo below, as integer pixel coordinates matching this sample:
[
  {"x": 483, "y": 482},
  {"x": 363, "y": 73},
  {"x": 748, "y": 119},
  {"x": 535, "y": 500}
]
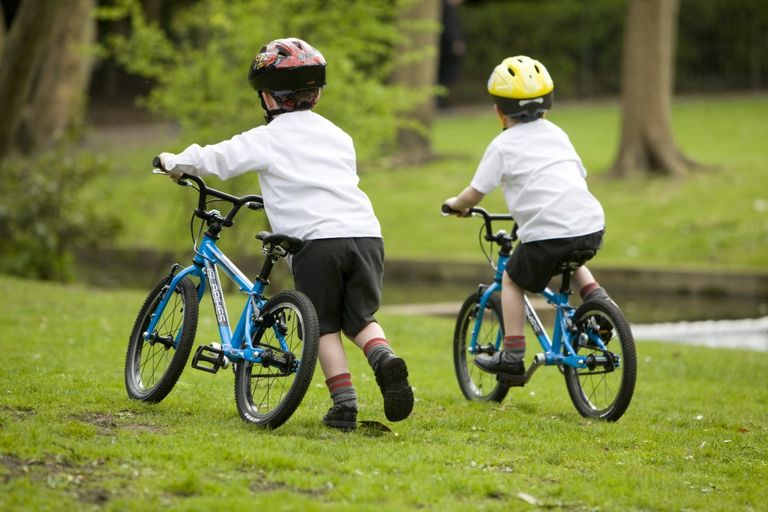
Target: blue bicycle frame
[
  {"x": 208, "y": 258},
  {"x": 558, "y": 350}
]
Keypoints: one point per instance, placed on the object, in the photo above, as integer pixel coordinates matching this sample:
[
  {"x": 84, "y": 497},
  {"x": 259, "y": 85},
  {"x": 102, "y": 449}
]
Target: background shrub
[
  {"x": 722, "y": 44},
  {"x": 45, "y": 213}
]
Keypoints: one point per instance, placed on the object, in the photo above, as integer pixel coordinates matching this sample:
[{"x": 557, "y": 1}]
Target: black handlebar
[
  {"x": 488, "y": 219},
  {"x": 252, "y": 201}
]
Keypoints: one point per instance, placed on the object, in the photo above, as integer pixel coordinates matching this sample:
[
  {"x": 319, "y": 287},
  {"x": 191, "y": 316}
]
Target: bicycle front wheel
[
  {"x": 268, "y": 393},
  {"x": 604, "y": 391},
  {"x": 154, "y": 363},
  {"x": 476, "y": 384}
]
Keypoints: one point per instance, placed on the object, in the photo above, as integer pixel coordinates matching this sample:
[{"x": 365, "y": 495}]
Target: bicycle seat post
[{"x": 565, "y": 287}]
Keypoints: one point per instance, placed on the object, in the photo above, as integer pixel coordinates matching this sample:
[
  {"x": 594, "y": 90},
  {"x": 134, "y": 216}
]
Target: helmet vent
[
  {"x": 511, "y": 71},
  {"x": 537, "y": 69}
]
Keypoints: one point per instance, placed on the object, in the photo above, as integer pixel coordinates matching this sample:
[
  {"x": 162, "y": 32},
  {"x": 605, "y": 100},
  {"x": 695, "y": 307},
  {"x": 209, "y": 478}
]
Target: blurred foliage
[
  {"x": 45, "y": 213},
  {"x": 721, "y": 44},
  {"x": 577, "y": 41},
  {"x": 199, "y": 64}
]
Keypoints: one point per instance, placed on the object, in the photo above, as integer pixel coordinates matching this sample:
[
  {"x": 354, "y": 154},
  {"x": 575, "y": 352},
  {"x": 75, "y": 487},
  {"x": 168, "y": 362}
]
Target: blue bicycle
[
  {"x": 273, "y": 349},
  {"x": 592, "y": 346}
]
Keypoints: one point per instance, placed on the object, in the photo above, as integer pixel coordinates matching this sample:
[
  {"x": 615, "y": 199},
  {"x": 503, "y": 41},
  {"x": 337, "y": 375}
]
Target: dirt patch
[
  {"x": 58, "y": 472},
  {"x": 107, "y": 423},
  {"x": 18, "y": 413},
  {"x": 262, "y": 485},
  {"x": 104, "y": 421}
]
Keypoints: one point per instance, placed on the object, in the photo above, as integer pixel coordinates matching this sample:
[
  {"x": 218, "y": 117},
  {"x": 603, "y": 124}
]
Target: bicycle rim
[
  {"x": 475, "y": 384},
  {"x": 268, "y": 395},
  {"x": 152, "y": 367},
  {"x": 600, "y": 393}
]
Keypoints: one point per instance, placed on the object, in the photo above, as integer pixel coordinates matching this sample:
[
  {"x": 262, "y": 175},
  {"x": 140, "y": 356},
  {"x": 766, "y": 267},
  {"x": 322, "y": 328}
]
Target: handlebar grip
[
  {"x": 445, "y": 209},
  {"x": 156, "y": 163}
]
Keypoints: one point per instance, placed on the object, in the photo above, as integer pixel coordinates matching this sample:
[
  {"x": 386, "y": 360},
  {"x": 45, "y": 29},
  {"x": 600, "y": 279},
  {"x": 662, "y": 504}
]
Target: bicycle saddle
[
  {"x": 291, "y": 244},
  {"x": 575, "y": 259}
]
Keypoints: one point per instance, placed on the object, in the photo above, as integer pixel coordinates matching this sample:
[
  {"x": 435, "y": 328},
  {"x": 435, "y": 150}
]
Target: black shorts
[
  {"x": 342, "y": 277},
  {"x": 533, "y": 264}
]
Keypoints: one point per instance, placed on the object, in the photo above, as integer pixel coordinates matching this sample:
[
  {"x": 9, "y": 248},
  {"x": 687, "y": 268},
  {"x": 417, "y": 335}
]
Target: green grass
[
  {"x": 716, "y": 218},
  {"x": 694, "y": 438}
]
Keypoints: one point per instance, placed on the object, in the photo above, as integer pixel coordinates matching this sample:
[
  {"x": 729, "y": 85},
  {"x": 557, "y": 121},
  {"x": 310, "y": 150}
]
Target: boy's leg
[
  {"x": 590, "y": 289},
  {"x": 510, "y": 359},
  {"x": 333, "y": 361},
  {"x": 585, "y": 282},
  {"x": 390, "y": 370}
]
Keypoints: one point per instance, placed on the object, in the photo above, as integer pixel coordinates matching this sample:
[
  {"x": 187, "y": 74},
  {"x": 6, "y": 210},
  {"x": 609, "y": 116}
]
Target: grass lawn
[
  {"x": 711, "y": 219},
  {"x": 694, "y": 438}
]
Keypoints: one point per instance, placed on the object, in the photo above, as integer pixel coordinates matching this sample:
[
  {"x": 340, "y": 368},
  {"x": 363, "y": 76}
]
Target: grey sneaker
[
  {"x": 500, "y": 363},
  {"x": 341, "y": 417},
  {"x": 598, "y": 293},
  {"x": 392, "y": 378}
]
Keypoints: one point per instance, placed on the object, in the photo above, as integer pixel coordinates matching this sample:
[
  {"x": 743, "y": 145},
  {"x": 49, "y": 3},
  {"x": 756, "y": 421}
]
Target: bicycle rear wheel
[
  {"x": 475, "y": 384},
  {"x": 268, "y": 393},
  {"x": 605, "y": 391},
  {"x": 152, "y": 366}
]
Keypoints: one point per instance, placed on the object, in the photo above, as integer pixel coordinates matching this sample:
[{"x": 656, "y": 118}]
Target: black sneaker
[
  {"x": 604, "y": 329},
  {"x": 341, "y": 417},
  {"x": 392, "y": 378},
  {"x": 500, "y": 363}
]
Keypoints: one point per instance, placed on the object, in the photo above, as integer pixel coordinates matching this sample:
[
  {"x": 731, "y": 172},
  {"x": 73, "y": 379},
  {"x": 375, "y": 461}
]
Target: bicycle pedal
[{"x": 209, "y": 358}]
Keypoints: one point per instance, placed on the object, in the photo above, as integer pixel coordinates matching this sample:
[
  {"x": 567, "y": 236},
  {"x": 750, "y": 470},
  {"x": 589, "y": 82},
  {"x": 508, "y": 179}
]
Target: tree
[
  {"x": 647, "y": 143},
  {"x": 2, "y": 29},
  {"x": 198, "y": 69},
  {"x": 44, "y": 71},
  {"x": 418, "y": 70}
]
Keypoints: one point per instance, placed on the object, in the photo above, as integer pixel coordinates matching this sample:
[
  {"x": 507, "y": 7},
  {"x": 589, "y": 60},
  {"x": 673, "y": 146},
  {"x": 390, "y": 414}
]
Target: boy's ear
[
  {"x": 268, "y": 100},
  {"x": 502, "y": 117}
]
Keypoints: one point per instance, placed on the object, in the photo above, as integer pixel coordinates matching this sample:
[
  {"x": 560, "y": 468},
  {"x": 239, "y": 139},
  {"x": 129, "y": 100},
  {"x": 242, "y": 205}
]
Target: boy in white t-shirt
[
  {"x": 307, "y": 172},
  {"x": 542, "y": 179}
]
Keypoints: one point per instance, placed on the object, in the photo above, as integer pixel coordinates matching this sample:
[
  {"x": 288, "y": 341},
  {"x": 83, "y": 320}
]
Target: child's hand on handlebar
[
  {"x": 448, "y": 209},
  {"x": 161, "y": 162}
]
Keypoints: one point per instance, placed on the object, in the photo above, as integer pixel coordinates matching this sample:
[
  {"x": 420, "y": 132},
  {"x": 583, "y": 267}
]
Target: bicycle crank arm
[{"x": 522, "y": 380}]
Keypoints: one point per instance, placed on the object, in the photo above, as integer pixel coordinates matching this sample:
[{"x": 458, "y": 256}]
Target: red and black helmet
[{"x": 288, "y": 64}]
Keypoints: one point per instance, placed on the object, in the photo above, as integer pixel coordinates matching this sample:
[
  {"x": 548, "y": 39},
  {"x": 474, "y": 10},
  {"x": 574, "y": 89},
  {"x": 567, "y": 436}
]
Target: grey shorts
[
  {"x": 342, "y": 277},
  {"x": 533, "y": 264}
]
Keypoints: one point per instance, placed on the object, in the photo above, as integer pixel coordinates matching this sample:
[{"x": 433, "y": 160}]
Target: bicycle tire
[
  {"x": 152, "y": 368},
  {"x": 475, "y": 384},
  {"x": 597, "y": 393},
  {"x": 267, "y": 396}
]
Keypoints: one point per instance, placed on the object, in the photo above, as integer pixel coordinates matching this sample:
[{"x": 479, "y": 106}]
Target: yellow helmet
[{"x": 521, "y": 87}]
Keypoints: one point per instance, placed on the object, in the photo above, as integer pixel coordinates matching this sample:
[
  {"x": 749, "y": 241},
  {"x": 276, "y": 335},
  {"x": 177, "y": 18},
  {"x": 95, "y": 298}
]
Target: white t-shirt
[
  {"x": 307, "y": 173},
  {"x": 543, "y": 182}
]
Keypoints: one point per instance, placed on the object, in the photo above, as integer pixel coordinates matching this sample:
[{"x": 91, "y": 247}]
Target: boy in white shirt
[
  {"x": 542, "y": 179},
  {"x": 308, "y": 178}
]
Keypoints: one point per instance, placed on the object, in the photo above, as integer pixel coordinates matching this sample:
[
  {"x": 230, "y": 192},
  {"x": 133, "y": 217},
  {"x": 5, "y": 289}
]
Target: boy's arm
[
  {"x": 241, "y": 153},
  {"x": 468, "y": 198}
]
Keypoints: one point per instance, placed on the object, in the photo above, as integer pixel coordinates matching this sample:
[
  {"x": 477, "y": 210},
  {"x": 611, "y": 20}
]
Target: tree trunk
[
  {"x": 27, "y": 40},
  {"x": 647, "y": 143},
  {"x": 2, "y": 29},
  {"x": 414, "y": 143},
  {"x": 58, "y": 97}
]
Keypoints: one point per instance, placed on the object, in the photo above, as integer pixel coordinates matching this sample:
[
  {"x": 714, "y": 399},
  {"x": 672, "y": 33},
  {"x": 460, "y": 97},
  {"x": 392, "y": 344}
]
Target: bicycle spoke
[
  {"x": 155, "y": 362},
  {"x": 267, "y": 393}
]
